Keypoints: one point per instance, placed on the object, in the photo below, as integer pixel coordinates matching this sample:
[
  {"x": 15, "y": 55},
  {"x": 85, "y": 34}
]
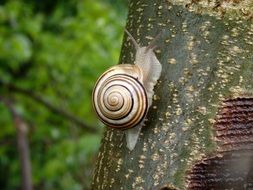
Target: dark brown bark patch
[
  {"x": 231, "y": 166},
  {"x": 167, "y": 187}
]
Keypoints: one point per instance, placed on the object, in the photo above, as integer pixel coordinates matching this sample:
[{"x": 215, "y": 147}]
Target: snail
[{"x": 123, "y": 94}]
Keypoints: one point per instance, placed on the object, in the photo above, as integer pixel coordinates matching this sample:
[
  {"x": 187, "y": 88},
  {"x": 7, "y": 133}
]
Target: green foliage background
[{"x": 55, "y": 49}]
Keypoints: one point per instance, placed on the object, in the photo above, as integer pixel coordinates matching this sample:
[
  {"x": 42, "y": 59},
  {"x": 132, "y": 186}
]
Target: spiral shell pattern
[{"x": 119, "y": 98}]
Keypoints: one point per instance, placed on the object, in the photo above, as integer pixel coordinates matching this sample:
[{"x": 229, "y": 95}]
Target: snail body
[{"x": 123, "y": 94}]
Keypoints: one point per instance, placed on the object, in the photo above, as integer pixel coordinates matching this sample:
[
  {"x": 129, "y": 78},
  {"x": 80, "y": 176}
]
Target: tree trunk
[
  {"x": 23, "y": 149},
  {"x": 206, "y": 54},
  {"x": 22, "y": 144}
]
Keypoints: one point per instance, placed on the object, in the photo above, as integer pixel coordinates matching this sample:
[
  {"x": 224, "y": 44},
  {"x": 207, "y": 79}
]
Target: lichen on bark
[{"x": 206, "y": 57}]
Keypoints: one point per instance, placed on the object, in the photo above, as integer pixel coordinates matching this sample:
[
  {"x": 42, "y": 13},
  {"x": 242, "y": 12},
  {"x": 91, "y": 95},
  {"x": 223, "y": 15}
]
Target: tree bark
[{"x": 206, "y": 54}]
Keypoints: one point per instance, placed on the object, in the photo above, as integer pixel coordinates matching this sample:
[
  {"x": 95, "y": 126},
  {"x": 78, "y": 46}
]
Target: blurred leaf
[{"x": 56, "y": 49}]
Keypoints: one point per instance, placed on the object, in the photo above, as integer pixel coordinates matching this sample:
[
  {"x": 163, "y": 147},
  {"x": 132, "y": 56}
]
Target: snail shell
[{"x": 119, "y": 97}]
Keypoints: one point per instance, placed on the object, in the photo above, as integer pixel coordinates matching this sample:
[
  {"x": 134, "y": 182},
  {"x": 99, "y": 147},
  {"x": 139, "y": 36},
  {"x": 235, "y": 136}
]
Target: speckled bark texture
[{"x": 207, "y": 57}]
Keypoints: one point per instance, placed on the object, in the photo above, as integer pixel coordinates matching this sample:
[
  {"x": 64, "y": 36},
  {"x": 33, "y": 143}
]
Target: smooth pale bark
[{"x": 206, "y": 54}]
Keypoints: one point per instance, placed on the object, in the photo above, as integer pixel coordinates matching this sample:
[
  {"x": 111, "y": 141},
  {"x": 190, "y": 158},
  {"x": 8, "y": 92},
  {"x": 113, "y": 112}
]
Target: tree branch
[
  {"x": 39, "y": 99},
  {"x": 22, "y": 145}
]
